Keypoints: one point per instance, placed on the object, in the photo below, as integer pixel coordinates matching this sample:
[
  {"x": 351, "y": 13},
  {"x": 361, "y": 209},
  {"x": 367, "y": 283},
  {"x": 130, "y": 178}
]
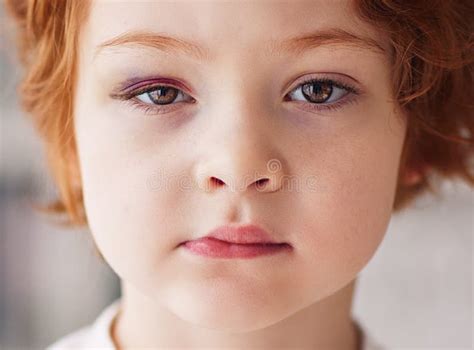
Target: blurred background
[{"x": 415, "y": 293}]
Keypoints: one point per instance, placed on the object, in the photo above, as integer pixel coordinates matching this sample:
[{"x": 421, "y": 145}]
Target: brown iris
[
  {"x": 317, "y": 92},
  {"x": 163, "y": 95}
]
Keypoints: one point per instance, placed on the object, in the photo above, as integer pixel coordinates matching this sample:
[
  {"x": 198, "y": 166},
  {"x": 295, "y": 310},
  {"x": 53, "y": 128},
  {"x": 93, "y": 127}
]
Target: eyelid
[
  {"x": 341, "y": 80},
  {"x": 129, "y": 87}
]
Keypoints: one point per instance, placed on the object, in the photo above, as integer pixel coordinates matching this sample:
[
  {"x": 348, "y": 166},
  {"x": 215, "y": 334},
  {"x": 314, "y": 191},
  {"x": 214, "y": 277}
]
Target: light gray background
[{"x": 415, "y": 293}]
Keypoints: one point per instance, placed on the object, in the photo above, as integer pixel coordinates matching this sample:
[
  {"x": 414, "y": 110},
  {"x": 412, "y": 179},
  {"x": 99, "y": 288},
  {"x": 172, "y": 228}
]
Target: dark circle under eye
[
  {"x": 163, "y": 95},
  {"x": 317, "y": 92}
]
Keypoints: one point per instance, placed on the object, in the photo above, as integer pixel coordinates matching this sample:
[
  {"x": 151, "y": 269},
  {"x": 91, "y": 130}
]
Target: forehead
[{"x": 220, "y": 28}]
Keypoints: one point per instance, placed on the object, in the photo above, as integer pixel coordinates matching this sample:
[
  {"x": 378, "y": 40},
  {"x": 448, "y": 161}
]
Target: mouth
[{"x": 244, "y": 241}]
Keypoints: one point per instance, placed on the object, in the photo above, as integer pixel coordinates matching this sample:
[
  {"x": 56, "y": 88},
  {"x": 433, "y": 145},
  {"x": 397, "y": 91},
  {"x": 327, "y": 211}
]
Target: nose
[{"x": 241, "y": 161}]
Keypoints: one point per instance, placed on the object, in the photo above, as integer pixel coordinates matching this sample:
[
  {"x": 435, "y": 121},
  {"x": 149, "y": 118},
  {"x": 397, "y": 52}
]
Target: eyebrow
[
  {"x": 290, "y": 46},
  {"x": 158, "y": 41},
  {"x": 333, "y": 36}
]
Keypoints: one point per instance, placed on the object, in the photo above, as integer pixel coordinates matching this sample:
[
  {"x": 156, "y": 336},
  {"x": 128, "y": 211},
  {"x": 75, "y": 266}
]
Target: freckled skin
[{"x": 147, "y": 177}]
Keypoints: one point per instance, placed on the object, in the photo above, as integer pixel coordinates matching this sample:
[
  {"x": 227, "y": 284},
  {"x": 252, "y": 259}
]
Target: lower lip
[{"x": 214, "y": 248}]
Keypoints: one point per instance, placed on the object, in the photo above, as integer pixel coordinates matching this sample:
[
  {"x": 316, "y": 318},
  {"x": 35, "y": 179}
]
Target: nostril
[
  {"x": 261, "y": 182},
  {"x": 216, "y": 181}
]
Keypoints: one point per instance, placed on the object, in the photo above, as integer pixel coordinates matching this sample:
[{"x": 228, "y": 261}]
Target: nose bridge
[{"x": 244, "y": 154}]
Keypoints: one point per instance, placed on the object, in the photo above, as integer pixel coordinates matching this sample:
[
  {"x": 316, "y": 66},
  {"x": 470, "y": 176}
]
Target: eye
[
  {"x": 161, "y": 95},
  {"x": 155, "y": 98},
  {"x": 322, "y": 94},
  {"x": 319, "y": 92}
]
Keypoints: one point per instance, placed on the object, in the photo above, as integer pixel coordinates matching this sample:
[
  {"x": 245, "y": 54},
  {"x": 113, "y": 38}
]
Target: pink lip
[
  {"x": 236, "y": 242},
  {"x": 243, "y": 234}
]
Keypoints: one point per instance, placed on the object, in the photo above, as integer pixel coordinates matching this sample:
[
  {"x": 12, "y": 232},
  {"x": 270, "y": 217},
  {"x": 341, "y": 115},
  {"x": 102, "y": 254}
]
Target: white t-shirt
[{"x": 97, "y": 335}]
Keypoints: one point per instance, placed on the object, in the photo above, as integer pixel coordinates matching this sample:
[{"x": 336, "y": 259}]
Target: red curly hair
[{"x": 433, "y": 60}]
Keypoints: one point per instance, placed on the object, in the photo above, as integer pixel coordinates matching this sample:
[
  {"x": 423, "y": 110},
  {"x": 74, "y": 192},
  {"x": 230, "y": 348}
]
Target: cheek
[
  {"x": 344, "y": 215},
  {"x": 132, "y": 194}
]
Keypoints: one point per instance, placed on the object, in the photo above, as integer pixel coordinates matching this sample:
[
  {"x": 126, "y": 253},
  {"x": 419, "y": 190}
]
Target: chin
[{"x": 226, "y": 308}]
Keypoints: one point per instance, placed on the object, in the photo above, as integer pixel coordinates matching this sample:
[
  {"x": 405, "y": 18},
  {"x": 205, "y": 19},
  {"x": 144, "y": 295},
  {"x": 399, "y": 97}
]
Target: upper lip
[{"x": 242, "y": 234}]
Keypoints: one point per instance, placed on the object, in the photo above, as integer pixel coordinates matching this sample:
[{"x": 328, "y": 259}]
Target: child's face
[{"x": 144, "y": 173}]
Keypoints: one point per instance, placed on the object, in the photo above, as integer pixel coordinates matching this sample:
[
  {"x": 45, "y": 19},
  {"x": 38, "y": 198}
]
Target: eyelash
[{"x": 349, "y": 97}]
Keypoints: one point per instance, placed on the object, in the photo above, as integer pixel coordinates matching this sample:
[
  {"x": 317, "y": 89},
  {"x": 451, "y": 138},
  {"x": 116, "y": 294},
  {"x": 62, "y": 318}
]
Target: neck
[{"x": 326, "y": 324}]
